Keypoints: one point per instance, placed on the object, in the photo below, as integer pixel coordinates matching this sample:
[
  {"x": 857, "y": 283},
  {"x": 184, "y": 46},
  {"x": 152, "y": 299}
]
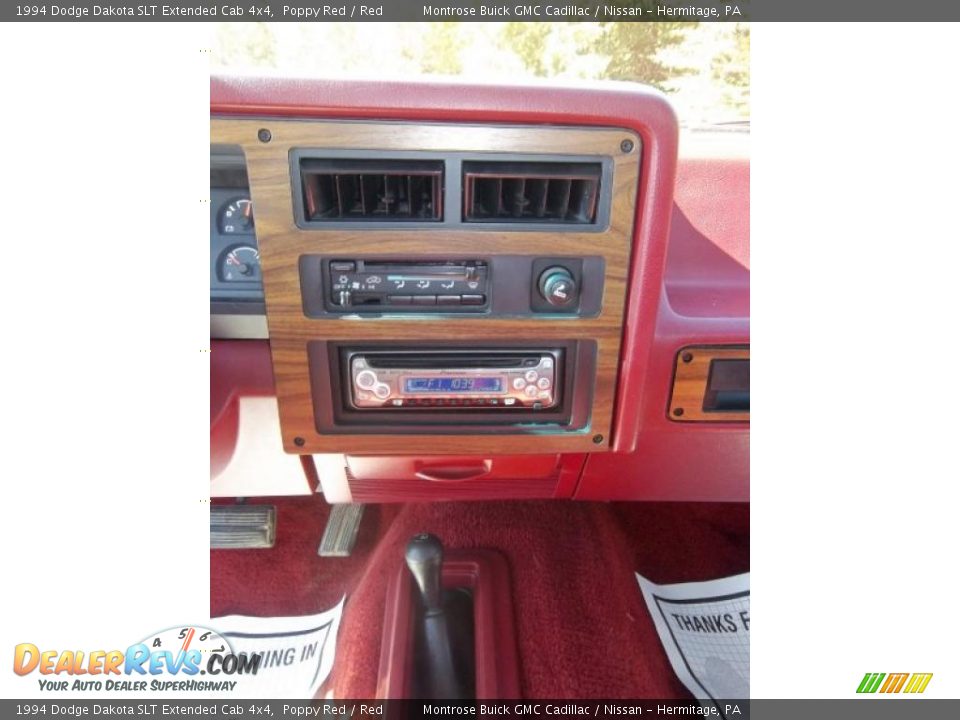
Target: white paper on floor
[
  {"x": 705, "y": 629},
  {"x": 297, "y": 653}
]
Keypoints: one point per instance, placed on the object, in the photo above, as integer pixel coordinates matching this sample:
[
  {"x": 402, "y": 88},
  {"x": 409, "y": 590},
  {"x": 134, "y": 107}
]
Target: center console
[{"x": 428, "y": 285}]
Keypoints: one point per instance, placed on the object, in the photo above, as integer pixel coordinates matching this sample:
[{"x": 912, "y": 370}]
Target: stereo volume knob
[
  {"x": 366, "y": 379},
  {"x": 558, "y": 287}
]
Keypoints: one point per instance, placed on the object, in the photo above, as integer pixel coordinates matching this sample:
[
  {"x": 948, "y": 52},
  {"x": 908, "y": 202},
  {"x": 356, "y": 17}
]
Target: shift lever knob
[{"x": 424, "y": 557}]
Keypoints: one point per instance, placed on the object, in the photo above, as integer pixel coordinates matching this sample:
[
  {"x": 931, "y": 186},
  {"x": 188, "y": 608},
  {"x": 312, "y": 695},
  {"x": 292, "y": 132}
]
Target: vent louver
[
  {"x": 539, "y": 192},
  {"x": 372, "y": 190}
]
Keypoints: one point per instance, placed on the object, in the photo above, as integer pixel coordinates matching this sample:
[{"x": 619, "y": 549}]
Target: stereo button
[
  {"x": 382, "y": 391},
  {"x": 543, "y": 383},
  {"x": 519, "y": 383},
  {"x": 366, "y": 379},
  {"x": 531, "y": 390},
  {"x": 531, "y": 376}
]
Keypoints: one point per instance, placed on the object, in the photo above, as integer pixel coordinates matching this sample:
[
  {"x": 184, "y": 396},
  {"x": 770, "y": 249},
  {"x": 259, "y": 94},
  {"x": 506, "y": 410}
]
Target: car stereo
[{"x": 485, "y": 380}]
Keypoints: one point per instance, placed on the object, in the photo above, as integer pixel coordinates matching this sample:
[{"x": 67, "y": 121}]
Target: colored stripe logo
[{"x": 894, "y": 682}]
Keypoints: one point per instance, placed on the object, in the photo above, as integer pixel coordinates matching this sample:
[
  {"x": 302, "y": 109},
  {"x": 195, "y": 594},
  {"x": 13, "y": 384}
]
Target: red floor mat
[{"x": 583, "y": 630}]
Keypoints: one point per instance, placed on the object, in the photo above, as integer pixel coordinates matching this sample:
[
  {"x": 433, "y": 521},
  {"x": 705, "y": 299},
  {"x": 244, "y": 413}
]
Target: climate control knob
[{"x": 558, "y": 287}]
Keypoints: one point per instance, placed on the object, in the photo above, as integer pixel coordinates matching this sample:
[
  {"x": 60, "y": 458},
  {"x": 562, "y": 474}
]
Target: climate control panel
[
  {"x": 408, "y": 286},
  {"x": 490, "y": 286}
]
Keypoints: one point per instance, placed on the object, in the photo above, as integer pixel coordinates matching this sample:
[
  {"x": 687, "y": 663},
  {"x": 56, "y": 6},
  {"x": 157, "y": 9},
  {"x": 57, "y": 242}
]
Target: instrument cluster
[{"x": 235, "y": 275}]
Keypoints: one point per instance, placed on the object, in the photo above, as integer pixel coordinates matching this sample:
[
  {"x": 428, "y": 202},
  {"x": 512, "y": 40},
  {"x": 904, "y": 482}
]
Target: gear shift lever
[{"x": 424, "y": 558}]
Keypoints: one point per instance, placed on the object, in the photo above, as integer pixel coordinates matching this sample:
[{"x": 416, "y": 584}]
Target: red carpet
[
  {"x": 290, "y": 578},
  {"x": 583, "y": 629}
]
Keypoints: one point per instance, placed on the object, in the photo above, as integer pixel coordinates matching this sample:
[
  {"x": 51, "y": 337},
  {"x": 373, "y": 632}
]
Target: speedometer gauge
[
  {"x": 241, "y": 263},
  {"x": 236, "y": 218}
]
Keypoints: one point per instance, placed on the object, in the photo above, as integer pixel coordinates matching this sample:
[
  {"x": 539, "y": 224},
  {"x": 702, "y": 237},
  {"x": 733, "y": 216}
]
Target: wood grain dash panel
[
  {"x": 691, "y": 373},
  {"x": 282, "y": 243}
]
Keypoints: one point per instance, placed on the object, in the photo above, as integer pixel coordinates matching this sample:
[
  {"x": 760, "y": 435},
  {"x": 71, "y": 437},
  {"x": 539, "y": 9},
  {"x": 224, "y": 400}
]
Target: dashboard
[{"x": 462, "y": 276}]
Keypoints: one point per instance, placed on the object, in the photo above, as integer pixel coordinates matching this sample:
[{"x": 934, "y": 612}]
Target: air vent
[
  {"x": 538, "y": 192},
  {"x": 372, "y": 190}
]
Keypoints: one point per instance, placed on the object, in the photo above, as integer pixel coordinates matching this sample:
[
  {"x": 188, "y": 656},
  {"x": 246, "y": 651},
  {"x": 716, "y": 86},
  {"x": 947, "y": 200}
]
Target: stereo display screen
[{"x": 452, "y": 384}]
